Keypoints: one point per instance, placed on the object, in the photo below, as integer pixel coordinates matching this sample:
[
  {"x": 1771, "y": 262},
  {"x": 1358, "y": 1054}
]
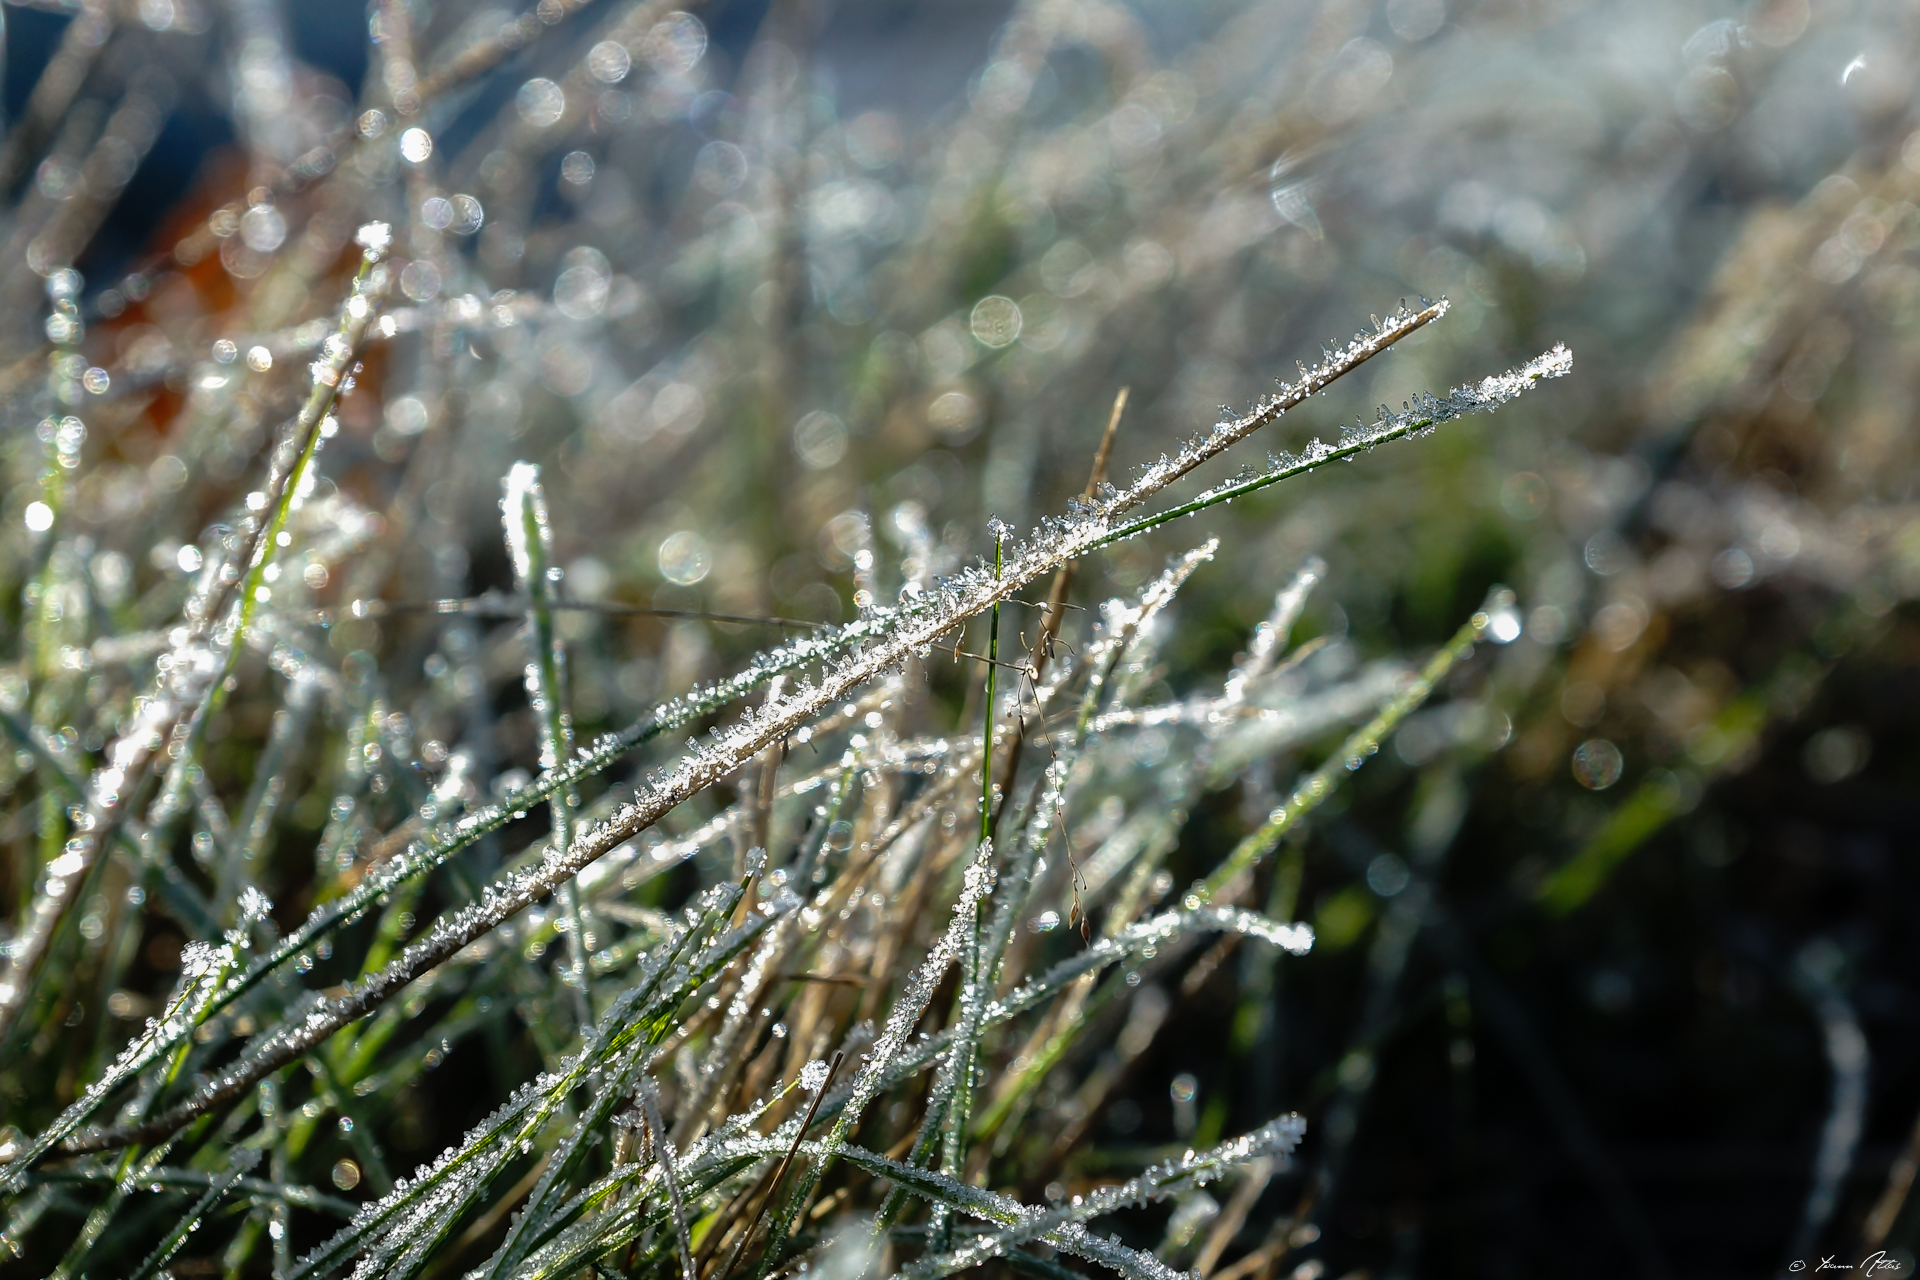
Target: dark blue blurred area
[
  {"x": 864, "y": 48},
  {"x": 32, "y": 35},
  {"x": 330, "y": 37}
]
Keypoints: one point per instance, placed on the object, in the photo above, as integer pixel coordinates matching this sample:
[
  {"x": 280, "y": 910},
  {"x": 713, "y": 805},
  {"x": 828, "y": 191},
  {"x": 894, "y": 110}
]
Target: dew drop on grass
[{"x": 1597, "y": 764}]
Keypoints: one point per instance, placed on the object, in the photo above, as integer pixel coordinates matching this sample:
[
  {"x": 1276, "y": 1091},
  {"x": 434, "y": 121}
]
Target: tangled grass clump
[{"x": 836, "y": 868}]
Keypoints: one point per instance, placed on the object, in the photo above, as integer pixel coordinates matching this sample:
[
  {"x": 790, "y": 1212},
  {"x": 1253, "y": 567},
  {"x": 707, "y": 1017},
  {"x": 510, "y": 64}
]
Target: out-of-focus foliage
[{"x": 773, "y": 318}]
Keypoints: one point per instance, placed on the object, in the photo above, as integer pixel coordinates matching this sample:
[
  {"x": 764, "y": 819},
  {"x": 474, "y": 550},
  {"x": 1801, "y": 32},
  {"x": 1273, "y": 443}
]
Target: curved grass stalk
[
  {"x": 1012, "y": 892},
  {"x": 957, "y": 1102},
  {"x": 906, "y": 1013},
  {"x": 243, "y": 1159},
  {"x": 290, "y": 477},
  {"x": 530, "y": 543},
  {"x": 55, "y": 582},
  {"x": 1270, "y": 637},
  {"x": 1420, "y": 416},
  {"x": 192, "y": 685},
  {"x": 664, "y": 1154},
  {"x": 1313, "y": 790}
]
